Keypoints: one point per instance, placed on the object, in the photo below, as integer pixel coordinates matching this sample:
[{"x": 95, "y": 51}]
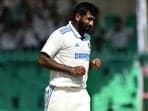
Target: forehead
[{"x": 89, "y": 15}]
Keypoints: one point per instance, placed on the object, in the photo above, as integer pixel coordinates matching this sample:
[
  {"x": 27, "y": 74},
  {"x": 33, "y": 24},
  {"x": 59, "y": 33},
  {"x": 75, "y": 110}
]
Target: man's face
[{"x": 86, "y": 23}]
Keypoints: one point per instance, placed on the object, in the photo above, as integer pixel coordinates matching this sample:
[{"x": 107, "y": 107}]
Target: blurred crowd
[
  {"x": 116, "y": 38},
  {"x": 26, "y": 24}
]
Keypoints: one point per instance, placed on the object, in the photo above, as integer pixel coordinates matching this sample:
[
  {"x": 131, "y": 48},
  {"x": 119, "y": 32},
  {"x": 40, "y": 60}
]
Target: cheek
[{"x": 85, "y": 21}]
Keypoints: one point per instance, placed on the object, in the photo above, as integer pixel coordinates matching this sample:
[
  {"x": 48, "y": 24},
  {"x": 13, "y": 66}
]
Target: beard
[{"x": 84, "y": 28}]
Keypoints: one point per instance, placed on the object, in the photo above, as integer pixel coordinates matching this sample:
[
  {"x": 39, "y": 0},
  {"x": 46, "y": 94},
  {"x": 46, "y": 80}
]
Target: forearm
[{"x": 49, "y": 63}]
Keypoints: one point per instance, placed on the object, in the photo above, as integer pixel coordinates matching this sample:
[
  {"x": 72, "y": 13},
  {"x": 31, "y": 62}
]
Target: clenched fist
[
  {"x": 78, "y": 71},
  {"x": 96, "y": 63}
]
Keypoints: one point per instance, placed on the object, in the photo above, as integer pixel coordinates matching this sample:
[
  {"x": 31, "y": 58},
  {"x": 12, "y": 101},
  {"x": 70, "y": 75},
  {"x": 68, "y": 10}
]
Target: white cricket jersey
[{"x": 66, "y": 47}]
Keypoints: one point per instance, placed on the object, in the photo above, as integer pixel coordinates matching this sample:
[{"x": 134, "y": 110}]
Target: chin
[{"x": 88, "y": 31}]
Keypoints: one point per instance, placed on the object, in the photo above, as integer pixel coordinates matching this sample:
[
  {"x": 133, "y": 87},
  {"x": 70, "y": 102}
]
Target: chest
[{"x": 76, "y": 45}]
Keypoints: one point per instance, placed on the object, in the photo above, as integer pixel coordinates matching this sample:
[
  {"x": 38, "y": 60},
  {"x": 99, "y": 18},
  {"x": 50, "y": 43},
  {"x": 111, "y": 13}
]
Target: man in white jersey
[{"x": 67, "y": 54}]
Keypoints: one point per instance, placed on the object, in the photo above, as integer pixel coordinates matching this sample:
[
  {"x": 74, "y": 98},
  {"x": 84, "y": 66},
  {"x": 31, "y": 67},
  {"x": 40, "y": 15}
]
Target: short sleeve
[{"x": 53, "y": 44}]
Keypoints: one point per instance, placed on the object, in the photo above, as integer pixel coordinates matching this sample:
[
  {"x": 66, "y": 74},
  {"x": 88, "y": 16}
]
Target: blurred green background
[{"x": 26, "y": 24}]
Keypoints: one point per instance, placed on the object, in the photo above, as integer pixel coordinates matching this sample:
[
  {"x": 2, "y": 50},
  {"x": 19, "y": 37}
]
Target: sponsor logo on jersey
[{"x": 84, "y": 56}]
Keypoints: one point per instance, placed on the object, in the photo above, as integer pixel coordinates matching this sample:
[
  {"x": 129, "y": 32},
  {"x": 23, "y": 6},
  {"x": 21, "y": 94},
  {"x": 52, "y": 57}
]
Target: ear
[{"x": 77, "y": 17}]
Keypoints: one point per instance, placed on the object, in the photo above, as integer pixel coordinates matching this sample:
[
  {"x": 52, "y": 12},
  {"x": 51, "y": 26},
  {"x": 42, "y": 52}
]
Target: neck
[{"x": 81, "y": 32}]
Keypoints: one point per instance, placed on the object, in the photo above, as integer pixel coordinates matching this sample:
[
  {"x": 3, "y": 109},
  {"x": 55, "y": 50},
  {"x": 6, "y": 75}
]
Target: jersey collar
[{"x": 74, "y": 30}]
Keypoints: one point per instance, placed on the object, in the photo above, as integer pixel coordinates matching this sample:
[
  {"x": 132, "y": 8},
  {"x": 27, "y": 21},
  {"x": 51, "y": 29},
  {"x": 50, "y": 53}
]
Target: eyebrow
[{"x": 91, "y": 17}]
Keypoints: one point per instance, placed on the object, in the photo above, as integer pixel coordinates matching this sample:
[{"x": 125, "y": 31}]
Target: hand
[
  {"x": 96, "y": 63},
  {"x": 78, "y": 71}
]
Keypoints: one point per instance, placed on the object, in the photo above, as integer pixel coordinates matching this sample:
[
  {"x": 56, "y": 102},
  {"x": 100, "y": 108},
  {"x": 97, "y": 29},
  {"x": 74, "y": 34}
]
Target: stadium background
[{"x": 117, "y": 86}]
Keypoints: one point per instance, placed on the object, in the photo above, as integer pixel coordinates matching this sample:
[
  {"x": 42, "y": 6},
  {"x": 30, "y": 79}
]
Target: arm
[{"x": 49, "y": 63}]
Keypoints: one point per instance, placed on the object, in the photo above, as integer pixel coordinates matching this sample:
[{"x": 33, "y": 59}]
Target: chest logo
[{"x": 77, "y": 45}]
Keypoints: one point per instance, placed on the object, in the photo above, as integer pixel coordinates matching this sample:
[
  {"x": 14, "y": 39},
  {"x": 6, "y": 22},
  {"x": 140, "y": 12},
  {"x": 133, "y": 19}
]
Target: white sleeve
[{"x": 53, "y": 44}]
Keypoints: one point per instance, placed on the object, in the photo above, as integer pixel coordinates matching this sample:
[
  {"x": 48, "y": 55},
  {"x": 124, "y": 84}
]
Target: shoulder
[
  {"x": 56, "y": 32},
  {"x": 61, "y": 31},
  {"x": 65, "y": 29}
]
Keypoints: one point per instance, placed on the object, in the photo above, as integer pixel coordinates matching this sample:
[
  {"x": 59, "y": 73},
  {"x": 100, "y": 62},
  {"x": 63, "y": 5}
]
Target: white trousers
[{"x": 66, "y": 99}]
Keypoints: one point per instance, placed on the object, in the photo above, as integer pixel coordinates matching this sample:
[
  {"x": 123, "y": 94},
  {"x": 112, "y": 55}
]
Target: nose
[{"x": 91, "y": 23}]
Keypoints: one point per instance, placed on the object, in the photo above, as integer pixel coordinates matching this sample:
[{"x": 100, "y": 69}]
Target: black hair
[{"x": 83, "y": 7}]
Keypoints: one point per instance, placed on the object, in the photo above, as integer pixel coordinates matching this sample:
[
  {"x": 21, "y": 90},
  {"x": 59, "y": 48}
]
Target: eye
[{"x": 90, "y": 18}]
